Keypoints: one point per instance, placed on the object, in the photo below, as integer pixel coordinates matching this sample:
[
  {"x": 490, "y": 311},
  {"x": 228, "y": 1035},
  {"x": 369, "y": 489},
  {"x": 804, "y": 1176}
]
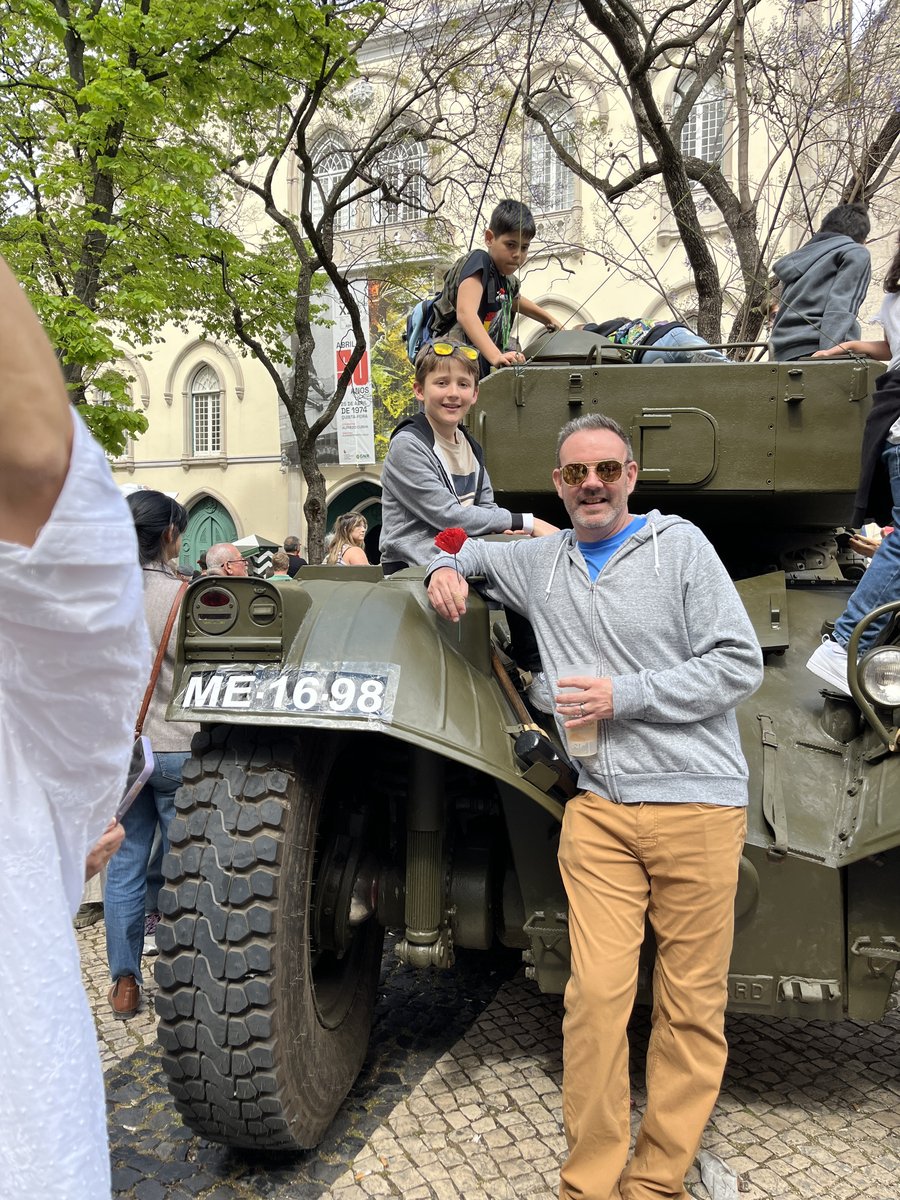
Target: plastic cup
[{"x": 582, "y": 740}]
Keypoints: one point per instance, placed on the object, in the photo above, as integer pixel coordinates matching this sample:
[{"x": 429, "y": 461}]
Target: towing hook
[{"x": 887, "y": 952}]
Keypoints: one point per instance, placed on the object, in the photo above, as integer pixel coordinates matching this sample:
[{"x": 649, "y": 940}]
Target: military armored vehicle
[{"x": 365, "y": 766}]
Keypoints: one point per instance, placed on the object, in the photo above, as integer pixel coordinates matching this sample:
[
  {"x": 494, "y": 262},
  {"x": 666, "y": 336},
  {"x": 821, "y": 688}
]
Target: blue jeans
[
  {"x": 881, "y": 582},
  {"x": 154, "y": 873},
  {"x": 678, "y": 338},
  {"x": 126, "y": 875}
]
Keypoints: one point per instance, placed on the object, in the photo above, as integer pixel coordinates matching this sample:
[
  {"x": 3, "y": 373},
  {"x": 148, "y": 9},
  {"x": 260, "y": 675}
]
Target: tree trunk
[
  {"x": 624, "y": 34},
  {"x": 314, "y": 506}
]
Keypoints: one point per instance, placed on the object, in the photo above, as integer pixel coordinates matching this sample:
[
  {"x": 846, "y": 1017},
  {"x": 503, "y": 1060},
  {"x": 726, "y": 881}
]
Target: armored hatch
[{"x": 765, "y": 452}]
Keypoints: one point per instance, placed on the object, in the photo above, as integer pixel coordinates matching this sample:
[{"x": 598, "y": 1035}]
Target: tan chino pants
[{"x": 677, "y": 864}]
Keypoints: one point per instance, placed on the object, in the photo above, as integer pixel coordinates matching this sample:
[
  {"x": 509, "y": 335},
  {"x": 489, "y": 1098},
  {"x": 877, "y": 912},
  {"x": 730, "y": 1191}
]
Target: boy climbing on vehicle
[
  {"x": 434, "y": 475},
  {"x": 481, "y": 294}
]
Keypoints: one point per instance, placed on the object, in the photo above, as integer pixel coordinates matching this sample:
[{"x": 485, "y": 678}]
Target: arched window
[
  {"x": 104, "y": 399},
  {"x": 403, "y": 169},
  {"x": 551, "y": 183},
  {"x": 332, "y": 163},
  {"x": 206, "y": 412},
  {"x": 703, "y": 133}
]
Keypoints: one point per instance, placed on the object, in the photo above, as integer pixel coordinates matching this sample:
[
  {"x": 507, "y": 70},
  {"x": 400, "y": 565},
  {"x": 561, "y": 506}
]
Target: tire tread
[{"x": 227, "y": 1059}]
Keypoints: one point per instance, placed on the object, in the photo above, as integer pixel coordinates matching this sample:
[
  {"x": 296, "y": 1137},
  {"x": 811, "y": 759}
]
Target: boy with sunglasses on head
[
  {"x": 434, "y": 475},
  {"x": 481, "y": 294}
]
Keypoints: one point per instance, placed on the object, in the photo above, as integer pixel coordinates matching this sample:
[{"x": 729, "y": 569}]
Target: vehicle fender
[{"x": 441, "y": 691}]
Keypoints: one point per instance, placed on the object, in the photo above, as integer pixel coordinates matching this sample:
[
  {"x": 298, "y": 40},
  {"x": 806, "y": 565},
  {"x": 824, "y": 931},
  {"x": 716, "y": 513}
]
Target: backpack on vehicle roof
[{"x": 418, "y": 326}]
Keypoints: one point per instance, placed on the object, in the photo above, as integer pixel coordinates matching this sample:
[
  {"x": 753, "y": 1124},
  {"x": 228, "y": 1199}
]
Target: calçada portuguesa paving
[{"x": 460, "y": 1097}]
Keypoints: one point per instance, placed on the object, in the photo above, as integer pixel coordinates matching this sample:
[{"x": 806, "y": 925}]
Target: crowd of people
[{"x": 656, "y": 828}]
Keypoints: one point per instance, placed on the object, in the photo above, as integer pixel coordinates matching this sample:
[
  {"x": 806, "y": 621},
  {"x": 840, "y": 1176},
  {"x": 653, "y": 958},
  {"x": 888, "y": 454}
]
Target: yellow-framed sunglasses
[{"x": 445, "y": 348}]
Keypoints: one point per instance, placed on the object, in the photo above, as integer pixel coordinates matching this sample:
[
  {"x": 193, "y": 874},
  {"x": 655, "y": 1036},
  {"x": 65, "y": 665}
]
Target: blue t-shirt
[{"x": 598, "y": 554}]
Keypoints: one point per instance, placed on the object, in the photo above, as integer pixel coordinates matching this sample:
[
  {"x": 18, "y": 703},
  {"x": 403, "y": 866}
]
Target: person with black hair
[
  {"x": 159, "y": 522},
  {"x": 481, "y": 295},
  {"x": 824, "y": 283}
]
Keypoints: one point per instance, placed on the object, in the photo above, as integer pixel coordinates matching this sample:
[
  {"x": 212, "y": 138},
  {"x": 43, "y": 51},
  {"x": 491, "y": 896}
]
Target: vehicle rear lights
[
  {"x": 215, "y": 598},
  {"x": 214, "y": 610}
]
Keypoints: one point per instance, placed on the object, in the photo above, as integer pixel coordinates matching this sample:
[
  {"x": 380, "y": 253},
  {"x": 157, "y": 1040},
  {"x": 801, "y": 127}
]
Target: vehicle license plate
[{"x": 366, "y": 690}]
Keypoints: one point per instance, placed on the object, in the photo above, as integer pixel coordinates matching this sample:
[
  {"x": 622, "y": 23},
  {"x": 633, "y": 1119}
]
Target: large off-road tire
[{"x": 263, "y": 1031}]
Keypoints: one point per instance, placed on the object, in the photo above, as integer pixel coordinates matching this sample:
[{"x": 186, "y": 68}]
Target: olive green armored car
[{"x": 365, "y": 766}]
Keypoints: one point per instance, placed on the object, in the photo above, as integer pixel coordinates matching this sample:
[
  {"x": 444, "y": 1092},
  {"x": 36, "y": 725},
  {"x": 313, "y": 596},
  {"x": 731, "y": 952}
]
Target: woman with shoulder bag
[{"x": 159, "y": 522}]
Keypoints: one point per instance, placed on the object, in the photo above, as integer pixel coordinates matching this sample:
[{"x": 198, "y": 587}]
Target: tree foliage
[
  {"x": 379, "y": 128},
  {"x": 114, "y": 212},
  {"x": 811, "y": 122},
  {"x": 160, "y": 164},
  {"x": 392, "y": 372}
]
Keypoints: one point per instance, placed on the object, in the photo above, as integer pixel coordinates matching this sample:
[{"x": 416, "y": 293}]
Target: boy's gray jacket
[
  {"x": 665, "y": 622},
  {"x": 418, "y": 499},
  {"x": 824, "y": 284}
]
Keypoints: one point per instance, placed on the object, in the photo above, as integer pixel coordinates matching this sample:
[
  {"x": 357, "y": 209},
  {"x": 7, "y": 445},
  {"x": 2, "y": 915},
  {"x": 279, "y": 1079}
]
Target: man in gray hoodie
[
  {"x": 824, "y": 283},
  {"x": 657, "y": 827}
]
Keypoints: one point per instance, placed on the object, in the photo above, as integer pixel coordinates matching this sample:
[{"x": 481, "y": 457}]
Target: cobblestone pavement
[{"x": 460, "y": 1096}]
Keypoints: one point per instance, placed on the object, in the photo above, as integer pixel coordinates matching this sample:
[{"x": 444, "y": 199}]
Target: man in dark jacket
[
  {"x": 292, "y": 549},
  {"x": 824, "y": 282}
]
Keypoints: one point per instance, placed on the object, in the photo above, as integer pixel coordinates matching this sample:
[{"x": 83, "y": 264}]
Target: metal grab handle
[{"x": 889, "y": 737}]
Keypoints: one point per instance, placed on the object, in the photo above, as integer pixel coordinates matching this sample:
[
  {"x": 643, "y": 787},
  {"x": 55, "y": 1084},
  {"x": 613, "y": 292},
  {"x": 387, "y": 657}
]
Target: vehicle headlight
[{"x": 879, "y": 676}]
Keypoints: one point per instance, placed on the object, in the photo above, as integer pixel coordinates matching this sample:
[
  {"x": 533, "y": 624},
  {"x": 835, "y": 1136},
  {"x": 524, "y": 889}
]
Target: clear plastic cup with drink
[{"x": 582, "y": 739}]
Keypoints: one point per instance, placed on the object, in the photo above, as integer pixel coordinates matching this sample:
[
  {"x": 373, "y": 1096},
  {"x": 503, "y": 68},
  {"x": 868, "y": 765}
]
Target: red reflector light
[{"x": 215, "y": 598}]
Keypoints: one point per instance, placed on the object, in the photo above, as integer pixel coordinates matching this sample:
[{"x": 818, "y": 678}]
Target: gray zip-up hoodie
[
  {"x": 824, "y": 284},
  {"x": 665, "y": 622},
  {"x": 418, "y": 500}
]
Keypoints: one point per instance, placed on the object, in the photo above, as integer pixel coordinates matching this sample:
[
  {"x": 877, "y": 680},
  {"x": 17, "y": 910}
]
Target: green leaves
[
  {"x": 115, "y": 117},
  {"x": 112, "y": 425}
]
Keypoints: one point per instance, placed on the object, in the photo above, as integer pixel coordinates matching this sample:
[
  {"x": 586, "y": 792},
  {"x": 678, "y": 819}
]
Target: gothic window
[
  {"x": 551, "y": 183},
  {"x": 206, "y": 412},
  {"x": 99, "y": 396},
  {"x": 403, "y": 168},
  {"x": 332, "y": 163}
]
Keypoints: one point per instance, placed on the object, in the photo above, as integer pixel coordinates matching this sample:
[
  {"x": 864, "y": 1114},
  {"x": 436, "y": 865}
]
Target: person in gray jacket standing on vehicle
[
  {"x": 658, "y": 824},
  {"x": 823, "y": 284}
]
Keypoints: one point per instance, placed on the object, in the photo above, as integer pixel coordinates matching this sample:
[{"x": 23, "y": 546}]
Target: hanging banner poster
[{"x": 354, "y": 421}]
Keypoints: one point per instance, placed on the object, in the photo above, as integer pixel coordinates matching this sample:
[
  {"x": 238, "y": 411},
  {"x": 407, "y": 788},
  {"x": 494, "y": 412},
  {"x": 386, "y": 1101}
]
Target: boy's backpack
[{"x": 418, "y": 326}]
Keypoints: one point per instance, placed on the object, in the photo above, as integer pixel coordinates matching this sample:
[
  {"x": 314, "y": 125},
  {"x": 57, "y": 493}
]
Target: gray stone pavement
[{"x": 460, "y": 1097}]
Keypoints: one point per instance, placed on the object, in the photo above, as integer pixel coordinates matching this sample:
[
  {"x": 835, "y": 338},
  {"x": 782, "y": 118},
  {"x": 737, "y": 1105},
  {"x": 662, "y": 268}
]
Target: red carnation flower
[{"x": 451, "y": 541}]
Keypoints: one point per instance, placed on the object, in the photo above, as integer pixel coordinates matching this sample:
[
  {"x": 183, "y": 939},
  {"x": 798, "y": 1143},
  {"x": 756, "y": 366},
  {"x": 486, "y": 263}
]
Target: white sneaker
[
  {"x": 829, "y": 662},
  {"x": 539, "y": 693}
]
